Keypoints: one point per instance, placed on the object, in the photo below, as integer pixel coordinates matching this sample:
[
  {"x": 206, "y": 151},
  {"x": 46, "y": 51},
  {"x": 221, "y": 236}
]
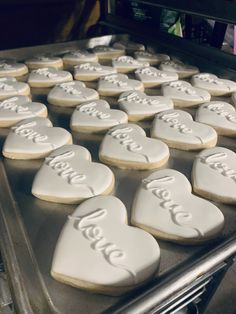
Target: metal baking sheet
[{"x": 29, "y": 227}]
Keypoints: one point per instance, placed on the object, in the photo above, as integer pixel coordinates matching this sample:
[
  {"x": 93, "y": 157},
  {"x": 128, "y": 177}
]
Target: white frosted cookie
[
  {"x": 177, "y": 129},
  {"x": 151, "y": 58},
  {"x": 140, "y": 106},
  {"x": 125, "y": 64},
  {"x": 129, "y": 46},
  {"x": 151, "y": 76},
  {"x": 214, "y": 174},
  {"x": 184, "y": 94},
  {"x": 71, "y": 94},
  {"x": 48, "y": 77},
  {"x": 214, "y": 85},
  {"x": 79, "y": 56},
  {"x": 92, "y": 71},
  {"x": 96, "y": 116},
  {"x": 9, "y": 87},
  {"x": 126, "y": 146},
  {"x": 115, "y": 257},
  {"x": 183, "y": 70},
  {"x": 44, "y": 62},
  {"x": 107, "y": 52},
  {"x": 220, "y": 115},
  {"x": 165, "y": 207},
  {"x": 12, "y": 68},
  {"x": 69, "y": 176},
  {"x": 34, "y": 138},
  {"x": 115, "y": 84},
  {"x": 234, "y": 98},
  {"x": 15, "y": 109}
]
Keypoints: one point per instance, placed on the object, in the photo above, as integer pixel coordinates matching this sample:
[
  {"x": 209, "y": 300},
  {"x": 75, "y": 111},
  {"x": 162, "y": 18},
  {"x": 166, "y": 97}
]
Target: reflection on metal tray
[{"x": 29, "y": 228}]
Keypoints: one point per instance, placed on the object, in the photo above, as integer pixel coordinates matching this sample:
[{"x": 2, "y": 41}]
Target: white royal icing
[
  {"x": 214, "y": 85},
  {"x": 129, "y": 46},
  {"x": 234, "y": 98},
  {"x": 115, "y": 84},
  {"x": 151, "y": 76},
  {"x": 121, "y": 256},
  {"x": 71, "y": 94},
  {"x": 34, "y": 138},
  {"x": 96, "y": 116},
  {"x": 11, "y": 68},
  {"x": 78, "y": 56},
  {"x": 68, "y": 175},
  {"x": 178, "y": 127},
  {"x": 181, "y": 91},
  {"x": 127, "y": 63},
  {"x": 141, "y": 106},
  {"x": 152, "y": 58},
  {"x": 48, "y": 76},
  {"x": 218, "y": 114},
  {"x": 107, "y": 52},
  {"x": 15, "y": 109},
  {"x": 183, "y": 70},
  {"x": 44, "y": 61},
  {"x": 214, "y": 174},
  {"x": 92, "y": 71},
  {"x": 165, "y": 206},
  {"x": 10, "y": 87},
  {"x": 128, "y": 143}
]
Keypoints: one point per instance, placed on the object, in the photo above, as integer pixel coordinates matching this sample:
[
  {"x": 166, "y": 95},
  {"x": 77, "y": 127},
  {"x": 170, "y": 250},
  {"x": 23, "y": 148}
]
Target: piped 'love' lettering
[
  {"x": 91, "y": 110},
  {"x": 25, "y": 130},
  {"x": 125, "y": 139}
]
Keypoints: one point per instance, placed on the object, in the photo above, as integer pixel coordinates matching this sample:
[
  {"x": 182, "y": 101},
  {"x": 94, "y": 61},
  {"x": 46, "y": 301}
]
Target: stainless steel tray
[{"x": 29, "y": 227}]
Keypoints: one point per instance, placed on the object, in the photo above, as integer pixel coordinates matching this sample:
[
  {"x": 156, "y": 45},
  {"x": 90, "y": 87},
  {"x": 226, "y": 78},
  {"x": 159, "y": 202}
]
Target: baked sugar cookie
[
  {"x": 96, "y": 116},
  {"x": 69, "y": 176},
  {"x": 126, "y": 146},
  {"x": 220, "y": 115},
  {"x": 152, "y": 77},
  {"x": 116, "y": 258},
  {"x": 71, "y": 94},
  {"x": 34, "y": 138},
  {"x": 183, "y": 70},
  {"x": 92, "y": 71},
  {"x": 151, "y": 58},
  {"x": 125, "y": 64},
  {"x": 140, "y": 106},
  {"x": 128, "y": 46},
  {"x": 115, "y": 84},
  {"x": 48, "y": 77},
  {"x": 214, "y": 174},
  {"x": 12, "y": 68},
  {"x": 44, "y": 61},
  {"x": 214, "y": 85},
  {"x": 79, "y": 56},
  {"x": 178, "y": 130},
  {"x": 234, "y": 98},
  {"x": 9, "y": 87},
  {"x": 15, "y": 109},
  {"x": 184, "y": 94},
  {"x": 107, "y": 52},
  {"x": 165, "y": 207}
]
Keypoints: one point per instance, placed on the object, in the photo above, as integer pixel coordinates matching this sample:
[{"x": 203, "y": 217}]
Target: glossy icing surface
[
  {"x": 165, "y": 205},
  {"x": 68, "y": 174},
  {"x": 107, "y": 52},
  {"x": 44, "y": 61},
  {"x": 92, "y": 70},
  {"x": 155, "y": 76},
  {"x": 48, "y": 76},
  {"x": 127, "y": 62},
  {"x": 152, "y": 58},
  {"x": 114, "y": 254},
  {"x": 11, "y": 68},
  {"x": 78, "y": 56},
  {"x": 9, "y": 87},
  {"x": 182, "y": 69}
]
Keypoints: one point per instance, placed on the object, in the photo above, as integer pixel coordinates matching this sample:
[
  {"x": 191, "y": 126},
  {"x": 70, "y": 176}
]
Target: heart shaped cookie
[
  {"x": 178, "y": 130},
  {"x": 12, "y": 68},
  {"x": 44, "y": 61},
  {"x": 126, "y": 146},
  {"x": 48, "y": 77},
  {"x": 184, "y": 94},
  {"x": 15, "y": 109},
  {"x": 79, "y": 56},
  {"x": 165, "y": 207},
  {"x": 96, "y": 116},
  {"x": 214, "y": 85},
  {"x": 71, "y": 94},
  {"x": 214, "y": 174},
  {"x": 115, "y": 84},
  {"x": 107, "y": 53},
  {"x": 140, "y": 106},
  {"x": 34, "y": 138},
  {"x": 128, "y": 45},
  {"x": 151, "y": 58},
  {"x": 234, "y": 99},
  {"x": 220, "y": 115},
  {"x": 98, "y": 251},
  {"x": 9, "y": 87},
  {"x": 151, "y": 76},
  {"x": 69, "y": 176},
  {"x": 91, "y": 71},
  {"x": 183, "y": 70},
  {"x": 125, "y": 64}
]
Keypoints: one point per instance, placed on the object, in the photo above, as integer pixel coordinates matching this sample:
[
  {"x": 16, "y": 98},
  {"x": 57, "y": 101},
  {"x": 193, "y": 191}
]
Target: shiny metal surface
[{"x": 29, "y": 227}]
